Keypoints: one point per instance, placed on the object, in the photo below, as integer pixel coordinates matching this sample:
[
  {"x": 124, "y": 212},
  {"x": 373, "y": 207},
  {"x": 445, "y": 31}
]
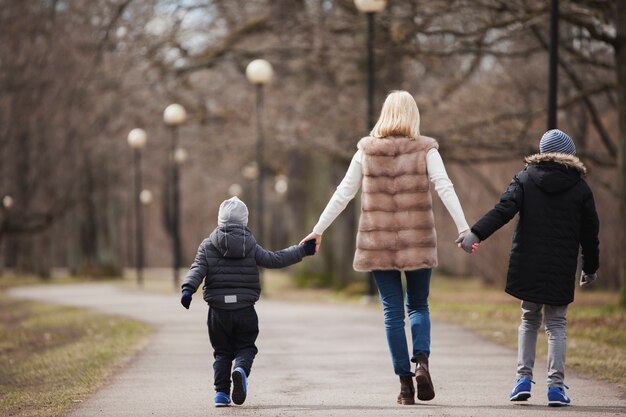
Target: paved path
[{"x": 314, "y": 360}]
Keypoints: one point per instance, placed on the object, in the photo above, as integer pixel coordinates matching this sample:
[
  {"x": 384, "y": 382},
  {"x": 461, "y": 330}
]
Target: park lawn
[
  {"x": 596, "y": 327},
  {"x": 10, "y": 280},
  {"x": 53, "y": 357}
]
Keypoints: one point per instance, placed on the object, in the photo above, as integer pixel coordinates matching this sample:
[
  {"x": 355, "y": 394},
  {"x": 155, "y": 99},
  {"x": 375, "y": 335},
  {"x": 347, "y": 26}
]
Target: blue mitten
[
  {"x": 309, "y": 247},
  {"x": 185, "y": 300}
]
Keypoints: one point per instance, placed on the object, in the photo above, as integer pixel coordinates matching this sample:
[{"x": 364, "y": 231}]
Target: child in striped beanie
[{"x": 557, "y": 216}]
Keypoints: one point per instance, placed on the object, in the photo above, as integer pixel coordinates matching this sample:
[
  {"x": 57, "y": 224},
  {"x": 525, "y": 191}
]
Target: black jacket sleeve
[
  {"x": 197, "y": 271},
  {"x": 510, "y": 203},
  {"x": 589, "y": 229},
  {"x": 279, "y": 259}
]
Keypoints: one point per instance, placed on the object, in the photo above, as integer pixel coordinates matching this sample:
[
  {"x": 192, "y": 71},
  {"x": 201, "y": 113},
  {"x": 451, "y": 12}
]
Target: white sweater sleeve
[
  {"x": 438, "y": 176},
  {"x": 345, "y": 192}
]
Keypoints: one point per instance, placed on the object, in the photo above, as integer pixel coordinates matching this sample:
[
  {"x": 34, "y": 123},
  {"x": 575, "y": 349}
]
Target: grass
[
  {"x": 53, "y": 357},
  {"x": 9, "y": 280}
]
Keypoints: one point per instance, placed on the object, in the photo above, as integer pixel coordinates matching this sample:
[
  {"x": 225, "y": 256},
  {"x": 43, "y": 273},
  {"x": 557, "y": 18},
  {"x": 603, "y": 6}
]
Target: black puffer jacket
[
  {"x": 228, "y": 259},
  {"x": 557, "y": 216}
]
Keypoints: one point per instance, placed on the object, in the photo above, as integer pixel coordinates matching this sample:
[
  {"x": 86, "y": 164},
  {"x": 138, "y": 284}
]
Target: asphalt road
[{"x": 314, "y": 360}]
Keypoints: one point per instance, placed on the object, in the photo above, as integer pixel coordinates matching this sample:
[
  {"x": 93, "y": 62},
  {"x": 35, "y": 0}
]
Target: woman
[{"x": 396, "y": 229}]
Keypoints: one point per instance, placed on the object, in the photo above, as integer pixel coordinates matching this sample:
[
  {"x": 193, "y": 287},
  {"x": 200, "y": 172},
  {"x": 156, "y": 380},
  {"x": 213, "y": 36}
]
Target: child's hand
[
  {"x": 185, "y": 300},
  {"x": 309, "y": 247},
  {"x": 586, "y": 279},
  {"x": 469, "y": 243},
  {"x": 318, "y": 240}
]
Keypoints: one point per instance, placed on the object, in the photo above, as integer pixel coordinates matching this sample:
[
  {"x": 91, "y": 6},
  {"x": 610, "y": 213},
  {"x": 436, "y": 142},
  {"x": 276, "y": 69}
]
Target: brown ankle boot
[
  {"x": 425, "y": 389},
  {"x": 407, "y": 391}
]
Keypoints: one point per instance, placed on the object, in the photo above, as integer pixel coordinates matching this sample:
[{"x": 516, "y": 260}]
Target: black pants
[{"x": 232, "y": 334}]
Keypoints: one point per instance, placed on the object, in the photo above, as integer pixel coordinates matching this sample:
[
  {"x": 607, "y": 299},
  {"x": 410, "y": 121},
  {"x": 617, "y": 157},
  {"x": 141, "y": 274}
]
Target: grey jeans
[{"x": 555, "y": 324}]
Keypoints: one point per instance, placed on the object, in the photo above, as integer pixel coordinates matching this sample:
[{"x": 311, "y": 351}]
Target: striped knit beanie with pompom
[{"x": 556, "y": 141}]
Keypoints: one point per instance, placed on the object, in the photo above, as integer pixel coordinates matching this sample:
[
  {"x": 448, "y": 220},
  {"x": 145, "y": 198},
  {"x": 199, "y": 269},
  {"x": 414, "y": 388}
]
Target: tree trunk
[
  {"x": 43, "y": 255},
  {"x": 620, "y": 68}
]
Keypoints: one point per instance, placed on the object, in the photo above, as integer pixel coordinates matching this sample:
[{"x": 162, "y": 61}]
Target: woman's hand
[
  {"x": 461, "y": 236},
  {"x": 318, "y": 240}
]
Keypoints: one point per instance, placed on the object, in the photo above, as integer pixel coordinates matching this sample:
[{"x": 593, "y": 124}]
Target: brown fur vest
[{"x": 397, "y": 227}]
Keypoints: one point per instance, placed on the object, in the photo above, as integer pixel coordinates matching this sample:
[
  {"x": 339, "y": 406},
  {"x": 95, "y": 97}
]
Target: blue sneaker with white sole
[
  {"x": 557, "y": 397},
  {"x": 221, "y": 399},
  {"x": 239, "y": 386},
  {"x": 521, "y": 391}
]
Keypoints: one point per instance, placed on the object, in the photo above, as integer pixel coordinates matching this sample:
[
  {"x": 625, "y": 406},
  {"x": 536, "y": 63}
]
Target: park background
[{"x": 78, "y": 78}]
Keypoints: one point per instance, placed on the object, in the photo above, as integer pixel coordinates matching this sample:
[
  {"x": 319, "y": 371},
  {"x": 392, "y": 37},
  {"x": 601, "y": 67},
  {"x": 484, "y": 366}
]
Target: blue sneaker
[
  {"x": 239, "y": 386},
  {"x": 221, "y": 399},
  {"x": 521, "y": 392},
  {"x": 557, "y": 397}
]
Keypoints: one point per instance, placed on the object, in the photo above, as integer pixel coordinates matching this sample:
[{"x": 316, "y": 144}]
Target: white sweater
[{"x": 351, "y": 183}]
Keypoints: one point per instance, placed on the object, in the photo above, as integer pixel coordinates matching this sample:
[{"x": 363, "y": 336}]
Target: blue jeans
[{"x": 389, "y": 285}]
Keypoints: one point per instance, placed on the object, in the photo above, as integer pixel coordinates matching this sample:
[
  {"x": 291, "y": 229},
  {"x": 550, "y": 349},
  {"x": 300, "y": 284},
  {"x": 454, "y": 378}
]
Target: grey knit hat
[
  {"x": 232, "y": 210},
  {"x": 556, "y": 141}
]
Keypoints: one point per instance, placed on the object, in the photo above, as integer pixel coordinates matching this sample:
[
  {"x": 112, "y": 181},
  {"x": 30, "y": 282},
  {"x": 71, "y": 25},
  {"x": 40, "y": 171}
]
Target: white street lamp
[
  {"x": 250, "y": 171},
  {"x": 7, "y": 202},
  {"x": 137, "y": 138},
  {"x": 235, "y": 190},
  {"x": 370, "y": 6},
  {"x": 259, "y": 71},
  {"x": 174, "y": 115},
  {"x": 281, "y": 184},
  {"x": 180, "y": 156},
  {"x": 145, "y": 196}
]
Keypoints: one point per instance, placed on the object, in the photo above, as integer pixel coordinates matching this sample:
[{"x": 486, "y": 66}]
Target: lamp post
[
  {"x": 259, "y": 72},
  {"x": 280, "y": 219},
  {"x": 553, "y": 65},
  {"x": 370, "y": 8},
  {"x": 174, "y": 116},
  {"x": 137, "y": 139},
  {"x": 145, "y": 196},
  {"x": 5, "y": 206}
]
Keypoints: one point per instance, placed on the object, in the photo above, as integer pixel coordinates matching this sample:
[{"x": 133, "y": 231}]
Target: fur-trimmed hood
[
  {"x": 570, "y": 161},
  {"x": 555, "y": 172}
]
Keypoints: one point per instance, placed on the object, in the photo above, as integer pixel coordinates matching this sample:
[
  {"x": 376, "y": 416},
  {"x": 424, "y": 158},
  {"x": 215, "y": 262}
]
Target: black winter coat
[
  {"x": 228, "y": 259},
  {"x": 557, "y": 215}
]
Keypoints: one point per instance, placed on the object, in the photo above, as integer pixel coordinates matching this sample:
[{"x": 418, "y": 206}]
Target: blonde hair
[{"x": 398, "y": 117}]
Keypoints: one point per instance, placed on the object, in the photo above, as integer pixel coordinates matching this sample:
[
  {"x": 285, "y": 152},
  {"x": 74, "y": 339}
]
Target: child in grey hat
[
  {"x": 557, "y": 216},
  {"x": 227, "y": 261}
]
